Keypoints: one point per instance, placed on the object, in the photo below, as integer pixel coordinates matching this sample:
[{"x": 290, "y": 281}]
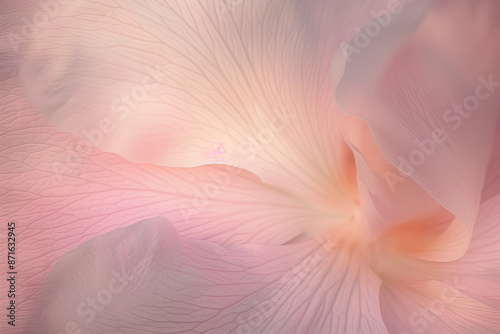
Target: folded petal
[
  {"x": 188, "y": 83},
  {"x": 146, "y": 278},
  {"x": 457, "y": 297},
  {"x": 381, "y": 184},
  {"x": 479, "y": 269},
  {"x": 406, "y": 218},
  {"x": 491, "y": 186},
  {"x": 60, "y": 192},
  {"x": 436, "y": 307},
  {"x": 431, "y": 101}
]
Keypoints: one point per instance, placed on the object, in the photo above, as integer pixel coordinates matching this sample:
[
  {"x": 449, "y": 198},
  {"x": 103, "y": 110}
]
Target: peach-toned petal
[
  {"x": 436, "y": 307},
  {"x": 191, "y": 83},
  {"x": 432, "y": 102},
  {"x": 479, "y": 269},
  {"x": 461, "y": 296},
  {"x": 406, "y": 217},
  {"x": 394, "y": 204},
  {"x": 60, "y": 192},
  {"x": 491, "y": 186},
  {"x": 383, "y": 192},
  {"x": 146, "y": 278}
]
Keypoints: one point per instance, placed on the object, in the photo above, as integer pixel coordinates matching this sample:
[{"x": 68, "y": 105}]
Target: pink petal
[
  {"x": 246, "y": 85},
  {"x": 436, "y": 307},
  {"x": 378, "y": 181},
  {"x": 405, "y": 218},
  {"x": 400, "y": 212},
  {"x": 174, "y": 285},
  {"x": 60, "y": 192},
  {"x": 492, "y": 179},
  {"x": 405, "y": 89},
  {"x": 457, "y": 297},
  {"x": 479, "y": 269}
]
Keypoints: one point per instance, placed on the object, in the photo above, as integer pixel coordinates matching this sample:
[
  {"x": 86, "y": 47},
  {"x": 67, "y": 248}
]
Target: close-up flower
[{"x": 250, "y": 166}]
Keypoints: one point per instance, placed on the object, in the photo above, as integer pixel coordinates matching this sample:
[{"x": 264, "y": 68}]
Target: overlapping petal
[
  {"x": 405, "y": 217},
  {"x": 146, "y": 278},
  {"x": 456, "y": 297},
  {"x": 492, "y": 179},
  {"x": 431, "y": 102},
  {"x": 190, "y": 83},
  {"x": 60, "y": 192}
]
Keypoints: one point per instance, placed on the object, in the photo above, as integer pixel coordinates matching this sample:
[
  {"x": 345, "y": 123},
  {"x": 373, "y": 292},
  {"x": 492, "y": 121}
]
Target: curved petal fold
[
  {"x": 456, "y": 297},
  {"x": 191, "y": 83},
  {"x": 431, "y": 101},
  {"x": 405, "y": 218},
  {"x": 492, "y": 180},
  {"x": 145, "y": 277},
  {"x": 60, "y": 191}
]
